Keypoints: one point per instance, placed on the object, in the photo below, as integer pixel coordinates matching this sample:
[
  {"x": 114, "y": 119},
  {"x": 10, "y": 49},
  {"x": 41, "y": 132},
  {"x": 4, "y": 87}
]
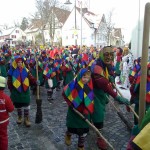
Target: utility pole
[
  {"x": 81, "y": 24},
  {"x": 75, "y": 24},
  {"x": 138, "y": 40},
  {"x": 144, "y": 60}
]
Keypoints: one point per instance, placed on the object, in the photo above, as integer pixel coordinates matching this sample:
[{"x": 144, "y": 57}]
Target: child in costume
[
  {"x": 6, "y": 106},
  {"x": 50, "y": 77},
  {"x": 79, "y": 95},
  {"x": 19, "y": 80}
]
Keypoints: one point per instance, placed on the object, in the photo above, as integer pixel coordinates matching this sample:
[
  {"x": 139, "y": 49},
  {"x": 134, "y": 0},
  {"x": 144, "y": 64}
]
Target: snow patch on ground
[{"x": 124, "y": 92}]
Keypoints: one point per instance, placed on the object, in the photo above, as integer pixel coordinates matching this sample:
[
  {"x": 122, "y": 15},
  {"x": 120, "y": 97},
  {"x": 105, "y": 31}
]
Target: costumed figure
[
  {"x": 40, "y": 69},
  {"x": 3, "y": 71},
  {"x": 103, "y": 76},
  {"x": 57, "y": 63},
  {"x": 140, "y": 138},
  {"x": 19, "y": 80},
  {"x": 119, "y": 52},
  {"x": 67, "y": 70},
  {"x": 126, "y": 66},
  {"x": 79, "y": 95},
  {"x": 50, "y": 77},
  {"x": 134, "y": 71},
  {"x": 135, "y": 88}
]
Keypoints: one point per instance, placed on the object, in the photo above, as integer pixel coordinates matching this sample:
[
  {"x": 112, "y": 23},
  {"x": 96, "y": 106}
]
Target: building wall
[
  {"x": 19, "y": 35},
  {"x": 137, "y": 33},
  {"x": 69, "y": 34}
]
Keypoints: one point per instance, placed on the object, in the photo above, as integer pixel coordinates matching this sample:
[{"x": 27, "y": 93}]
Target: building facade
[{"x": 13, "y": 36}]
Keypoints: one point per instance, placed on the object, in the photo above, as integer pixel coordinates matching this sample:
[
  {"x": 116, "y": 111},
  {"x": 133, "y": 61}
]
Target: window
[
  {"x": 17, "y": 31},
  {"x": 23, "y": 37},
  {"x": 13, "y": 42},
  {"x": 72, "y": 36},
  {"x": 13, "y": 36},
  {"x": 66, "y": 37}
]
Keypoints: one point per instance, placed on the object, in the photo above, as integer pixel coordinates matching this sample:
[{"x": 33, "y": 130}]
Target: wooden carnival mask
[{"x": 108, "y": 55}]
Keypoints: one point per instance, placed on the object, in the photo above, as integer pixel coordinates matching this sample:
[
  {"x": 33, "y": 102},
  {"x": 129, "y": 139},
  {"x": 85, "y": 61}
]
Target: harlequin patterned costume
[
  {"x": 102, "y": 70},
  {"x": 19, "y": 80},
  {"x": 80, "y": 97},
  {"x": 135, "y": 92}
]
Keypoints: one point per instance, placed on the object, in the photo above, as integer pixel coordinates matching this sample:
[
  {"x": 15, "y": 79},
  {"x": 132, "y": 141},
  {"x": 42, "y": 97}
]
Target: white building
[
  {"x": 137, "y": 33},
  {"x": 71, "y": 31},
  {"x": 12, "y": 36}
]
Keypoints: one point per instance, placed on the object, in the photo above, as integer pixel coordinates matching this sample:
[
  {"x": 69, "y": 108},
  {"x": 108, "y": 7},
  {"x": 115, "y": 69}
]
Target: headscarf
[{"x": 78, "y": 93}]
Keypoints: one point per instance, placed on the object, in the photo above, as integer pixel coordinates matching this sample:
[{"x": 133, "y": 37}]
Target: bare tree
[
  {"x": 109, "y": 26},
  {"x": 16, "y": 24},
  {"x": 46, "y": 16}
]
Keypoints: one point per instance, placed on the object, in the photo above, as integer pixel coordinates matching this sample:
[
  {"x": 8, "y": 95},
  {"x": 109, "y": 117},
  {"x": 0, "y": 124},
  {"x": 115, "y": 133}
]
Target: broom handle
[
  {"x": 129, "y": 105},
  {"x": 37, "y": 76},
  {"x": 93, "y": 127}
]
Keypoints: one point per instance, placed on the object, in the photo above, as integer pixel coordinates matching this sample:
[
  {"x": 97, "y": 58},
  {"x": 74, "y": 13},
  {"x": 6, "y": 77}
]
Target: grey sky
[{"x": 125, "y": 13}]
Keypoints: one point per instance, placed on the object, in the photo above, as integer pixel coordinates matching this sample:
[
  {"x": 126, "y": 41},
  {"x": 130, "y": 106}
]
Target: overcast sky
[{"x": 125, "y": 14}]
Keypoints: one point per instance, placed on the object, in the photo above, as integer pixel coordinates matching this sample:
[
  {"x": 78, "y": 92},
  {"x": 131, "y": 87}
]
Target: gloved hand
[
  {"x": 38, "y": 82},
  {"x": 111, "y": 79},
  {"x": 122, "y": 100}
]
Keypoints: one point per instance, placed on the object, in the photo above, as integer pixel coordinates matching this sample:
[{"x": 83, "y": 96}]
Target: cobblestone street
[{"x": 49, "y": 135}]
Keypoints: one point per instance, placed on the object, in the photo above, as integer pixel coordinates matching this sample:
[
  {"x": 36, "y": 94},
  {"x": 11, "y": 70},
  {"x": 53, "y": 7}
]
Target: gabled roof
[
  {"x": 90, "y": 17},
  {"x": 61, "y": 14},
  {"x": 8, "y": 31},
  {"x": 31, "y": 30}
]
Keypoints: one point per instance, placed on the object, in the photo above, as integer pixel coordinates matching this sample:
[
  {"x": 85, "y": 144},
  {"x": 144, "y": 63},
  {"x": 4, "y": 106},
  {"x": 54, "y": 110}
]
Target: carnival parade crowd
[{"x": 89, "y": 76}]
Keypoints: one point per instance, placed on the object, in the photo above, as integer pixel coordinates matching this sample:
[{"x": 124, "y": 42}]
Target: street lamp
[{"x": 68, "y": 3}]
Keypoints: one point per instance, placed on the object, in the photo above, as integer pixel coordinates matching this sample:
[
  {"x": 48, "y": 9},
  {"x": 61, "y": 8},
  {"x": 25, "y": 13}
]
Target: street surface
[{"x": 49, "y": 135}]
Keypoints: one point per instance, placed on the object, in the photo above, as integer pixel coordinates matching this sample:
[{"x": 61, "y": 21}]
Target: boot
[
  {"x": 26, "y": 118},
  {"x": 19, "y": 120},
  {"x": 81, "y": 140},
  {"x": 80, "y": 148},
  {"x": 68, "y": 139},
  {"x": 19, "y": 112},
  {"x": 58, "y": 86},
  {"x": 27, "y": 122},
  {"x": 49, "y": 95},
  {"x": 101, "y": 143}
]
